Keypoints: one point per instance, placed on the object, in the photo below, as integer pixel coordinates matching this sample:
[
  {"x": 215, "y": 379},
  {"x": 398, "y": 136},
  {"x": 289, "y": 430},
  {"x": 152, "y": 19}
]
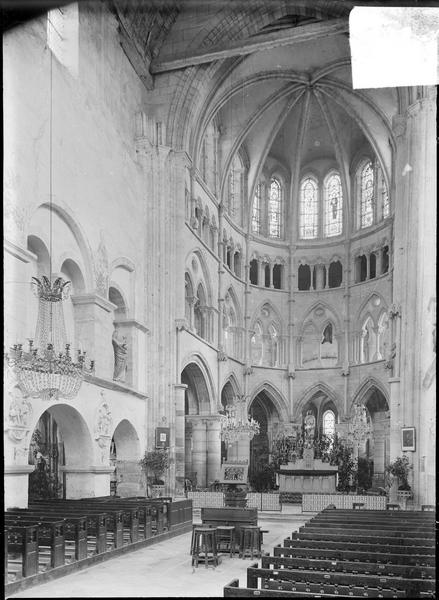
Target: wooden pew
[
  {"x": 97, "y": 522},
  {"x": 345, "y": 566},
  {"x": 115, "y": 519},
  {"x": 152, "y": 512},
  {"x": 359, "y": 530},
  {"x": 75, "y": 528},
  {"x": 356, "y": 545},
  {"x": 375, "y": 556},
  {"x": 23, "y": 540},
  {"x": 50, "y": 535},
  {"x": 384, "y": 540},
  {"x": 412, "y": 587}
]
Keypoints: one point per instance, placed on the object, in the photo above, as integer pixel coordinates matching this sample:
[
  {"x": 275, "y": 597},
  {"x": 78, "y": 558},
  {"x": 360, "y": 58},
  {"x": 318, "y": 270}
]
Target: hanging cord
[{"x": 50, "y": 188}]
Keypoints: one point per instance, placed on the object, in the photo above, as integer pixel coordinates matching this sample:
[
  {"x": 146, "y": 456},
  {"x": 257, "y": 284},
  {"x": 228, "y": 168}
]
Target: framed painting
[
  {"x": 408, "y": 439},
  {"x": 162, "y": 437},
  {"x": 234, "y": 473}
]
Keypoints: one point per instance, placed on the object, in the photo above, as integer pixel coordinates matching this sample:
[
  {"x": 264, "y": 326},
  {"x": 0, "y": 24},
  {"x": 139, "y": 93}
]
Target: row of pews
[
  {"x": 53, "y": 533},
  {"x": 357, "y": 553}
]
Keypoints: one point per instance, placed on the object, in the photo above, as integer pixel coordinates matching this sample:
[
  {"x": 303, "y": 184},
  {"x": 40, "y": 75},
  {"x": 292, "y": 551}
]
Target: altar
[
  {"x": 305, "y": 476},
  {"x": 303, "y": 472}
]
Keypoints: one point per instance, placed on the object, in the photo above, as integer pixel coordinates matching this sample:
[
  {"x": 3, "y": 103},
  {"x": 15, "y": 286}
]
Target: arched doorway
[
  {"x": 202, "y": 442},
  {"x": 46, "y": 452},
  {"x": 377, "y": 448},
  {"x": 264, "y": 411},
  {"x": 125, "y": 456},
  {"x": 66, "y": 447}
]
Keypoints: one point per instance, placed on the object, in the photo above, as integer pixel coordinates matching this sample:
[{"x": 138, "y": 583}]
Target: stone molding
[{"x": 94, "y": 299}]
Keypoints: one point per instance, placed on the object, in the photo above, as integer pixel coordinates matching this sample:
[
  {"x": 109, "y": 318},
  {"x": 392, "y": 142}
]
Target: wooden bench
[
  {"x": 412, "y": 587},
  {"x": 117, "y": 518},
  {"x": 356, "y": 545},
  {"x": 75, "y": 527},
  {"x": 23, "y": 540},
  {"x": 50, "y": 535},
  {"x": 402, "y": 529},
  {"x": 154, "y": 508},
  {"x": 336, "y": 565},
  {"x": 372, "y": 556},
  {"x": 387, "y": 540},
  {"x": 230, "y": 516},
  {"x": 98, "y": 522}
]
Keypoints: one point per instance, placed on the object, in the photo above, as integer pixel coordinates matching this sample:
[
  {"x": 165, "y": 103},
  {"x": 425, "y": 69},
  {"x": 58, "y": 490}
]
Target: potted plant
[
  {"x": 399, "y": 469},
  {"x": 235, "y": 495},
  {"x": 154, "y": 463}
]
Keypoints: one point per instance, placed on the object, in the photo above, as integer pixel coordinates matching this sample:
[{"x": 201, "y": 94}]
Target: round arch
[
  {"x": 196, "y": 374},
  {"x": 125, "y": 453}
]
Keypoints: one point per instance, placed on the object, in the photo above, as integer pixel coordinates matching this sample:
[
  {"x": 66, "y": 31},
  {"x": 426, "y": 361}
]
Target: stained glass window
[
  {"x": 385, "y": 199},
  {"x": 256, "y": 210},
  {"x": 333, "y": 206},
  {"x": 329, "y": 423},
  {"x": 366, "y": 195},
  {"x": 308, "y": 209},
  {"x": 274, "y": 209}
]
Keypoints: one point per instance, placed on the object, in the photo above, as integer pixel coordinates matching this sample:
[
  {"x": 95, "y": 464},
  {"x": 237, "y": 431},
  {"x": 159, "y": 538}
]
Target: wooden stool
[
  {"x": 226, "y": 535},
  {"x": 204, "y": 542},
  {"x": 250, "y": 541}
]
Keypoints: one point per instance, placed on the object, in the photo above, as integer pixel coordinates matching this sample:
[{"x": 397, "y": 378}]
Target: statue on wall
[
  {"x": 120, "y": 356},
  {"x": 310, "y": 425}
]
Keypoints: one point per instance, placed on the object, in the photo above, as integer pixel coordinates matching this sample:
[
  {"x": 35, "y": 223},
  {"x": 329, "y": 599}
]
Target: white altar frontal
[{"x": 308, "y": 474}]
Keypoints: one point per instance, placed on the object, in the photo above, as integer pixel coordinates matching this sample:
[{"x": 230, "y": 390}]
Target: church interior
[{"x": 219, "y": 295}]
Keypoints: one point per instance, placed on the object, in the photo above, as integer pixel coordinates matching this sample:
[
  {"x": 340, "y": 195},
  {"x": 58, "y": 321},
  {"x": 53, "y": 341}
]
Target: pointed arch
[
  {"x": 258, "y": 312},
  {"x": 317, "y": 388},
  {"x": 366, "y": 386},
  {"x": 279, "y": 401},
  {"x": 370, "y": 299},
  {"x": 326, "y": 307}
]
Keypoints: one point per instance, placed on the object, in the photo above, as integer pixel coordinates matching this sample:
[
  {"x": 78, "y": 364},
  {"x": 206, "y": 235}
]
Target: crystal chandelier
[
  {"x": 359, "y": 428},
  {"x": 236, "y": 423},
  {"x": 48, "y": 370}
]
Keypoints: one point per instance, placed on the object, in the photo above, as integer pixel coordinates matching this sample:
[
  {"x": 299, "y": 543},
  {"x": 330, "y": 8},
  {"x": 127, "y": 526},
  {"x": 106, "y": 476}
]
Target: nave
[
  {"x": 357, "y": 553},
  {"x": 164, "y": 569}
]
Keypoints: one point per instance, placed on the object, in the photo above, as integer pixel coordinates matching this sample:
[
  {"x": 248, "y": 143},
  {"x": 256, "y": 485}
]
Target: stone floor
[{"x": 164, "y": 569}]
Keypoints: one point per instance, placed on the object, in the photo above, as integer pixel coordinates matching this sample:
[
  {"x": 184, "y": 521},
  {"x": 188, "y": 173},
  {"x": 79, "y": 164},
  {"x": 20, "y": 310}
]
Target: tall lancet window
[
  {"x": 385, "y": 199},
  {"x": 275, "y": 209},
  {"x": 366, "y": 195},
  {"x": 256, "y": 210},
  {"x": 333, "y": 205},
  {"x": 308, "y": 209}
]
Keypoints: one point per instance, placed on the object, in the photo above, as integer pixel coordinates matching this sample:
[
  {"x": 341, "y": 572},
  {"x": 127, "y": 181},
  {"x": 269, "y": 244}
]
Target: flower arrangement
[
  {"x": 400, "y": 469},
  {"x": 155, "y": 462}
]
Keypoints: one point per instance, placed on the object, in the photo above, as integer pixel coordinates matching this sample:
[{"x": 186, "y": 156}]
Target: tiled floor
[{"x": 164, "y": 569}]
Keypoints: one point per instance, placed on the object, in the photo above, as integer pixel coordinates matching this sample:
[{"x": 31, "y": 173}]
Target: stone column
[
  {"x": 412, "y": 401},
  {"x": 319, "y": 277},
  {"x": 261, "y": 273},
  {"x": 271, "y": 265},
  {"x": 199, "y": 448},
  {"x": 311, "y": 283},
  {"x": 188, "y": 448},
  {"x": 327, "y": 276},
  {"x": 213, "y": 448},
  {"x": 179, "y": 438},
  {"x": 367, "y": 266}
]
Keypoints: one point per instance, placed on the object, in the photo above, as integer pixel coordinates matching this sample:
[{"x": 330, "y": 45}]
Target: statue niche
[{"x": 120, "y": 349}]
